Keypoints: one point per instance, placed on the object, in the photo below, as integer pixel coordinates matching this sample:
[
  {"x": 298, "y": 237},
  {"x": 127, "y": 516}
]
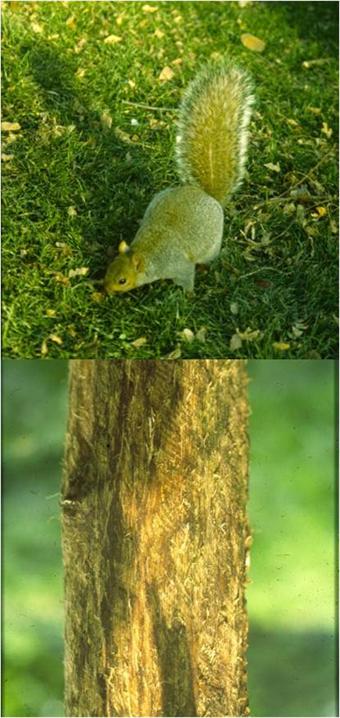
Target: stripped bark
[{"x": 154, "y": 538}]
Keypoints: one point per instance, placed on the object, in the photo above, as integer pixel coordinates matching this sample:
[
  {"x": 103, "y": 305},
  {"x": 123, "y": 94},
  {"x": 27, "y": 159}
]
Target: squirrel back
[
  {"x": 213, "y": 130},
  {"x": 183, "y": 225}
]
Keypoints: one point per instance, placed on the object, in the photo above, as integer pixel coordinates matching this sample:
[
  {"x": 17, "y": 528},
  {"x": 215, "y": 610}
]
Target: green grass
[{"x": 277, "y": 273}]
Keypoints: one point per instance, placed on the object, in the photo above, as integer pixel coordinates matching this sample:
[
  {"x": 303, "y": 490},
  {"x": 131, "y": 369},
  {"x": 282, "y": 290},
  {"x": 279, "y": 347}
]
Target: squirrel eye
[{"x": 122, "y": 280}]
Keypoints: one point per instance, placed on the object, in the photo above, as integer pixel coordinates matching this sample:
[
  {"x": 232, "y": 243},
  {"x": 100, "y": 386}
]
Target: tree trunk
[{"x": 155, "y": 538}]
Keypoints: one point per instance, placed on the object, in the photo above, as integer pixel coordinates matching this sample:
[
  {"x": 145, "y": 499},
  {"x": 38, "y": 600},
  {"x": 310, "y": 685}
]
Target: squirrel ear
[
  {"x": 123, "y": 247},
  {"x": 137, "y": 262}
]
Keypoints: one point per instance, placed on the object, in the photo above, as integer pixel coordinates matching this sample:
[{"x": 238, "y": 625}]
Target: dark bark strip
[{"x": 154, "y": 538}]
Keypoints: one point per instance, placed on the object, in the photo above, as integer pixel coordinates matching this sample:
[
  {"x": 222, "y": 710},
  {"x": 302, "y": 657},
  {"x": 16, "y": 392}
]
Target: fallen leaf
[
  {"x": 281, "y": 346},
  {"x": 6, "y": 158},
  {"x": 149, "y": 8},
  {"x": 251, "y": 42},
  {"x": 123, "y": 135},
  {"x": 80, "y": 44},
  {"x": 51, "y": 312},
  {"x": 112, "y": 39},
  {"x": 36, "y": 27},
  {"x": 271, "y": 166},
  {"x": 72, "y": 212},
  {"x": 175, "y": 354},
  {"x": 80, "y": 73},
  {"x": 187, "y": 335},
  {"x": 235, "y": 342},
  {"x": 166, "y": 74},
  {"x": 326, "y": 130},
  {"x": 44, "y": 348},
  {"x": 97, "y": 297},
  {"x": 319, "y": 212},
  {"x": 249, "y": 334},
  {"x": 106, "y": 120},
  {"x": 56, "y": 339},
  {"x": 159, "y": 33},
  {"x": 10, "y": 126},
  {"x": 71, "y": 21},
  {"x": 201, "y": 334},
  {"x": 234, "y": 307},
  {"x": 139, "y": 342},
  {"x": 80, "y": 272}
]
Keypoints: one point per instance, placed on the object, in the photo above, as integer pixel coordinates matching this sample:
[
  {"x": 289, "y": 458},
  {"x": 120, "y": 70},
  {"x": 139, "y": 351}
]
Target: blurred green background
[{"x": 291, "y": 597}]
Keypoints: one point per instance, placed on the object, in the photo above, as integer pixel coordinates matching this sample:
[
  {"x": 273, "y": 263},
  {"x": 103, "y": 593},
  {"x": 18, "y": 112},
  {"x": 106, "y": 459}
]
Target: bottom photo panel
[{"x": 169, "y": 538}]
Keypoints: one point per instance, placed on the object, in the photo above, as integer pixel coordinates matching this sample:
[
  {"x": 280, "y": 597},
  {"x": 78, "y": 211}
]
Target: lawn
[{"x": 93, "y": 89}]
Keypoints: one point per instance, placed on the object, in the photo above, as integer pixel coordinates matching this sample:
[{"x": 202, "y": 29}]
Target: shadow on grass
[{"x": 105, "y": 165}]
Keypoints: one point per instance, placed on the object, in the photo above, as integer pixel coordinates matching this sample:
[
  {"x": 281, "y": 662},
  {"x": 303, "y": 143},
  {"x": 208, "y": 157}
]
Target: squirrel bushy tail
[{"x": 213, "y": 123}]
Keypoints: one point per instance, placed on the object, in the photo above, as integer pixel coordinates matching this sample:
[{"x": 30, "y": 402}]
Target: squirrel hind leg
[{"x": 186, "y": 279}]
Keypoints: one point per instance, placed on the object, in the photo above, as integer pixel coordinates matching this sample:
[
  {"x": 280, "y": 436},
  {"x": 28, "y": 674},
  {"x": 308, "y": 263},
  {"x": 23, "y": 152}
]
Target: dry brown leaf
[
  {"x": 10, "y": 126},
  {"x": 166, "y": 74},
  {"x": 251, "y": 42}
]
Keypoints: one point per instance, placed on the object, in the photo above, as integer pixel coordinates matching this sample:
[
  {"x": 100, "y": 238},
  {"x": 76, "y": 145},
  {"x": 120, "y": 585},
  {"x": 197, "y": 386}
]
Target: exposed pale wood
[{"x": 154, "y": 538}]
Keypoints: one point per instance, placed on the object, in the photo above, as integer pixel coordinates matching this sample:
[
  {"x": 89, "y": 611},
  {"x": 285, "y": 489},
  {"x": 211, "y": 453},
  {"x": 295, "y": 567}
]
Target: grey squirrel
[{"x": 183, "y": 225}]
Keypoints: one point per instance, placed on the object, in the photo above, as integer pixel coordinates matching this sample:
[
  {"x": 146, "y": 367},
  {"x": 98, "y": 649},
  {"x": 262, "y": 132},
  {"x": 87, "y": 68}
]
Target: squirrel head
[{"x": 122, "y": 273}]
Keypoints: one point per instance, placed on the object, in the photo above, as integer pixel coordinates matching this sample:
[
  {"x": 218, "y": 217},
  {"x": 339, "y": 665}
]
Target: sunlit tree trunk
[{"x": 154, "y": 538}]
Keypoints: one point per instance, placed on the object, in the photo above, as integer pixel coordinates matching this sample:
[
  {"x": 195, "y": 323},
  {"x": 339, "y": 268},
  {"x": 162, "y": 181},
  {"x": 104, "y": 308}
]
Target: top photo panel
[{"x": 170, "y": 180}]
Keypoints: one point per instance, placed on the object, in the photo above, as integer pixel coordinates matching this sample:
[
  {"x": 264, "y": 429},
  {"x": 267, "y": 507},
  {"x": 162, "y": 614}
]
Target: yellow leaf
[
  {"x": 149, "y": 8},
  {"x": 54, "y": 338},
  {"x": 112, "y": 40},
  {"x": 72, "y": 212},
  {"x": 272, "y": 167},
  {"x": 106, "y": 120},
  {"x": 44, "y": 348},
  {"x": 322, "y": 211},
  {"x": 166, "y": 74},
  {"x": 159, "y": 33},
  {"x": 175, "y": 354},
  {"x": 10, "y": 126},
  {"x": 80, "y": 73},
  {"x": 80, "y": 272},
  {"x": 97, "y": 297},
  {"x": 51, "y": 312},
  {"x": 251, "y": 42},
  {"x": 139, "y": 342},
  {"x": 326, "y": 130},
  {"x": 71, "y": 21},
  {"x": 36, "y": 27},
  {"x": 6, "y": 158},
  {"x": 281, "y": 346}
]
